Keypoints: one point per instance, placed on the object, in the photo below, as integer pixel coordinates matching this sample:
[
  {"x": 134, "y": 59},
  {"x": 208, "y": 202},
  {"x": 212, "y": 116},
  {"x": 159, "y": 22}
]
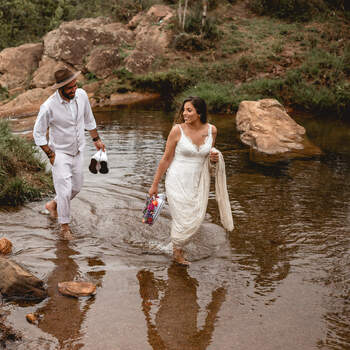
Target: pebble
[{"x": 5, "y": 246}]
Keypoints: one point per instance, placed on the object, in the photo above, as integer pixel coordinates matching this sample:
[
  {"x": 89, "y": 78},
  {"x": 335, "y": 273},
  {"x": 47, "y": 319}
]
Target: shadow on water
[{"x": 280, "y": 280}]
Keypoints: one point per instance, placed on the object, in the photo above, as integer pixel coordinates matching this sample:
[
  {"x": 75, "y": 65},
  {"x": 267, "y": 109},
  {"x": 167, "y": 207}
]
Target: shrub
[
  {"x": 167, "y": 84},
  {"x": 217, "y": 96},
  {"x": 22, "y": 175},
  {"x": 301, "y": 10},
  {"x": 4, "y": 94},
  {"x": 189, "y": 42}
]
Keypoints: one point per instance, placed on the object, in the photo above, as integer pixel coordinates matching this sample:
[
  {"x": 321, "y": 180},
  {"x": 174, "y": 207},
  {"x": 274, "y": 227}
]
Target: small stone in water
[
  {"x": 5, "y": 246},
  {"x": 32, "y": 318},
  {"x": 77, "y": 289}
]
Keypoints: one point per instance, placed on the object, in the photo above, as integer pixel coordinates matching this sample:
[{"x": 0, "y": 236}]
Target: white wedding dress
[{"x": 187, "y": 187}]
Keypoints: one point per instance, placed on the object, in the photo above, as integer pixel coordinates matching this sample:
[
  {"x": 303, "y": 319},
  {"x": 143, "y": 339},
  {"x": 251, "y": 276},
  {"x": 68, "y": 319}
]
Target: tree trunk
[
  {"x": 204, "y": 16},
  {"x": 184, "y": 16},
  {"x": 179, "y": 13}
]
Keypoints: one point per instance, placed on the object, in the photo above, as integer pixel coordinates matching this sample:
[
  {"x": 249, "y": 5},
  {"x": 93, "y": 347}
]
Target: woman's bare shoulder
[
  {"x": 214, "y": 130},
  {"x": 175, "y": 132}
]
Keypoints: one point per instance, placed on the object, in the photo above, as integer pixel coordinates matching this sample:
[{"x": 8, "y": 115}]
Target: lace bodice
[{"x": 187, "y": 151}]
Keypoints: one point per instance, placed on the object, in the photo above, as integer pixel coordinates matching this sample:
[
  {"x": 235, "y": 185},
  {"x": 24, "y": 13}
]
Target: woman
[{"x": 185, "y": 159}]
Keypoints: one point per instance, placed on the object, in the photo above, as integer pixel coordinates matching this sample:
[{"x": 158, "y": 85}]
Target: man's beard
[{"x": 66, "y": 95}]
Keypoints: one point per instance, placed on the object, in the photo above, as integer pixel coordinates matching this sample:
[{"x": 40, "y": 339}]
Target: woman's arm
[
  {"x": 214, "y": 157},
  {"x": 166, "y": 160}
]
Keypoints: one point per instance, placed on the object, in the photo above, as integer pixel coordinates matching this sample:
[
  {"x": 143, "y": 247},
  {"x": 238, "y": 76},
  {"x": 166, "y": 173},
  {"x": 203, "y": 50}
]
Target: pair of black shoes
[{"x": 99, "y": 162}]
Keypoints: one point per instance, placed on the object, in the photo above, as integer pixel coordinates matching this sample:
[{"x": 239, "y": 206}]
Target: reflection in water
[
  {"x": 175, "y": 324},
  {"x": 63, "y": 316}
]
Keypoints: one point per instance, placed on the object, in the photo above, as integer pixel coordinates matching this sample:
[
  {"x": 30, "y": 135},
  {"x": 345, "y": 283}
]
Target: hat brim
[{"x": 65, "y": 82}]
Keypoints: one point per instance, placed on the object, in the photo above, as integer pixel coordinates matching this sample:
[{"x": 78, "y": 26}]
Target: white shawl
[{"x": 221, "y": 194}]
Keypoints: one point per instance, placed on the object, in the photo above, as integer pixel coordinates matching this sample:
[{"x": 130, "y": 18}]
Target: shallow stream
[{"x": 280, "y": 280}]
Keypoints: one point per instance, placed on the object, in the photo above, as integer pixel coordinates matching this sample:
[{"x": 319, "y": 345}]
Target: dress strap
[
  {"x": 182, "y": 132},
  {"x": 210, "y": 130}
]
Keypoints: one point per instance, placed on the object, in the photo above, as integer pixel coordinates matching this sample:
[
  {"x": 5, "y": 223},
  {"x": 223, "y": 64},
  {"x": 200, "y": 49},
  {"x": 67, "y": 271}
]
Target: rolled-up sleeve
[
  {"x": 89, "y": 119},
  {"x": 40, "y": 127}
]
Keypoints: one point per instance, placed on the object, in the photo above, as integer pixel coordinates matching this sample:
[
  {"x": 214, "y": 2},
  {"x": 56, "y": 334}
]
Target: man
[{"x": 66, "y": 113}]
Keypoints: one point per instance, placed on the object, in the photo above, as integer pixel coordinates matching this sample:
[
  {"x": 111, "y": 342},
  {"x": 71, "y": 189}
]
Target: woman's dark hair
[{"x": 200, "y": 106}]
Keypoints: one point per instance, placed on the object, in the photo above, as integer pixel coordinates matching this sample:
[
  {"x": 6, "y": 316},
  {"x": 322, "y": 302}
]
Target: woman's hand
[
  {"x": 214, "y": 156},
  {"x": 153, "y": 191}
]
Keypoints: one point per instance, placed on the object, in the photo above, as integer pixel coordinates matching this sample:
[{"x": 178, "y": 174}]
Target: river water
[{"x": 280, "y": 280}]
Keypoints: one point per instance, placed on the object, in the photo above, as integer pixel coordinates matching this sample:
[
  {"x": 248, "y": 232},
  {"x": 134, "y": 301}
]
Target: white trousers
[{"x": 67, "y": 173}]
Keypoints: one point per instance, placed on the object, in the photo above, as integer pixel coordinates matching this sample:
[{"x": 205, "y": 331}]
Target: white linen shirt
[{"x": 66, "y": 121}]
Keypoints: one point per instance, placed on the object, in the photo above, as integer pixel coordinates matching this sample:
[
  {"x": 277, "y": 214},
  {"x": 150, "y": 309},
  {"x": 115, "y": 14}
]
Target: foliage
[
  {"x": 4, "y": 94},
  {"x": 217, "y": 96},
  {"x": 24, "y": 21},
  {"x": 22, "y": 174},
  {"x": 301, "y": 10},
  {"x": 167, "y": 83}
]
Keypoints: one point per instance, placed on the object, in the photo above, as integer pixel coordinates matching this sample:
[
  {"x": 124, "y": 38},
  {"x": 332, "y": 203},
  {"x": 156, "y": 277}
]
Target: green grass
[{"x": 22, "y": 175}]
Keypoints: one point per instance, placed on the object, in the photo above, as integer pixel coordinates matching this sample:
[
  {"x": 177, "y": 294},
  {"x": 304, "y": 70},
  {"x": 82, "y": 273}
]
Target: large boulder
[
  {"x": 44, "y": 75},
  {"x": 271, "y": 133},
  {"x": 151, "y": 37},
  {"x": 18, "y": 63},
  {"x": 103, "y": 61},
  {"x": 25, "y": 104},
  {"x": 73, "y": 41},
  {"x": 16, "y": 282}
]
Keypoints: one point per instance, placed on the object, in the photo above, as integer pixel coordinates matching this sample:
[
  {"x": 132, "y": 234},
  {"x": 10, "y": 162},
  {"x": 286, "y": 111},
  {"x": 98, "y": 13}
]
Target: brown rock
[
  {"x": 32, "y": 318},
  {"x": 26, "y": 104},
  {"x": 16, "y": 282},
  {"x": 131, "y": 97},
  {"x": 73, "y": 41},
  {"x": 139, "y": 61},
  {"x": 77, "y": 289},
  {"x": 150, "y": 37},
  {"x": 44, "y": 75},
  {"x": 18, "y": 63},
  {"x": 91, "y": 88},
  {"x": 103, "y": 61},
  {"x": 271, "y": 133},
  {"x": 5, "y": 246}
]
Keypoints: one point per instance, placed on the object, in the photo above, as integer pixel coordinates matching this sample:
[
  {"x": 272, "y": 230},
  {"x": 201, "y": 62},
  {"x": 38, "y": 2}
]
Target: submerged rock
[
  {"x": 271, "y": 133},
  {"x": 16, "y": 282},
  {"x": 5, "y": 246},
  {"x": 32, "y": 318},
  {"x": 77, "y": 289}
]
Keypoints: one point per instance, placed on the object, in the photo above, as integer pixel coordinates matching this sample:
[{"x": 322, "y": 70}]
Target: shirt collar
[{"x": 62, "y": 100}]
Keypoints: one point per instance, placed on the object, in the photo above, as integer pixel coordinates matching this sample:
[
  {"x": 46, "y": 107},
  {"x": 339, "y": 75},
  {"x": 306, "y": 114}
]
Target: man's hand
[
  {"x": 100, "y": 145},
  {"x": 52, "y": 158}
]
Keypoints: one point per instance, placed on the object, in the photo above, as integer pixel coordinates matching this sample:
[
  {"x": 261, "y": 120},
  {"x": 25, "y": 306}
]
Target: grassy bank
[
  {"x": 296, "y": 51},
  {"x": 303, "y": 65},
  {"x": 22, "y": 175}
]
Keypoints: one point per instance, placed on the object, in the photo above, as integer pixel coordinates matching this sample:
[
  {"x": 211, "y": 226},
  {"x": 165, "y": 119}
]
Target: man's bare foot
[
  {"x": 52, "y": 208},
  {"x": 179, "y": 257},
  {"x": 66, "y": 233}
]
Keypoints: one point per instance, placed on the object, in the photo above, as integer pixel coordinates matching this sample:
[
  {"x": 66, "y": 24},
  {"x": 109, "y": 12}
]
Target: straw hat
[{"x": 63, "y": 77}]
